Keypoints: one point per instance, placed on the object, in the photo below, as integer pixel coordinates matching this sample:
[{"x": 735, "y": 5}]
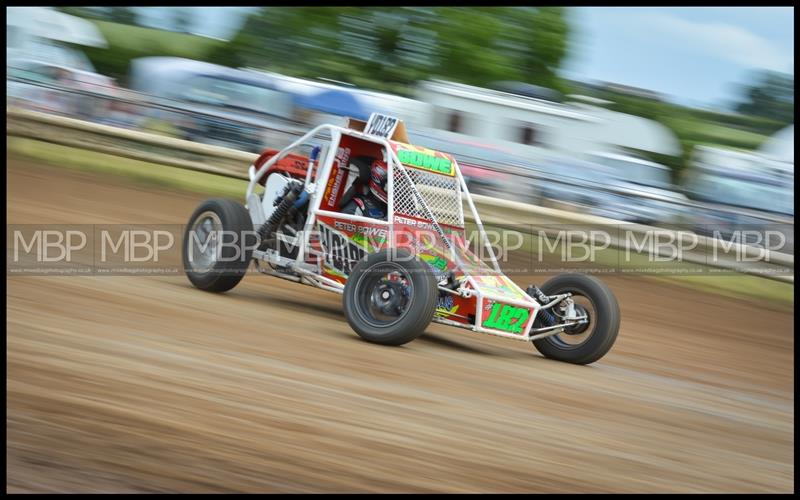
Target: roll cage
[{"x": 426, "y": 190}]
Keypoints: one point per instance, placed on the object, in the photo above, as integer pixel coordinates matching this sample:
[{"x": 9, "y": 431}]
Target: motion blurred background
[
  {"x": 667, "y": 117},
  {"x": 659, "y": 116}
]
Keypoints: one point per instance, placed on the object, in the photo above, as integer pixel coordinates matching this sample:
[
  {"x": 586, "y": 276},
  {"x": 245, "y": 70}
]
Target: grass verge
[{"x": 138, "y": 171}]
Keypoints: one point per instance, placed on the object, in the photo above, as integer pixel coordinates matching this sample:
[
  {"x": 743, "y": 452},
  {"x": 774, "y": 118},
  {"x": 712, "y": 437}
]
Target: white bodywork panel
[{"x": 275, "y": 185}]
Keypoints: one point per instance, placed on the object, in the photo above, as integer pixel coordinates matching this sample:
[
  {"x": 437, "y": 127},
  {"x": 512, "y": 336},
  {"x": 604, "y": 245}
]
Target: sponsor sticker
[
  {"x": 424, "y": 158},
  {"x": 423, "y": 161},
  {"x": 340, "y": 252}
]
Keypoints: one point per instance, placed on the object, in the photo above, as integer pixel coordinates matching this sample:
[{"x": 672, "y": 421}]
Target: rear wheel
[
  {"x": 218, "y": 244},
  {"x": 584, "y": 343},
  {"x": 390, "y": 297}
]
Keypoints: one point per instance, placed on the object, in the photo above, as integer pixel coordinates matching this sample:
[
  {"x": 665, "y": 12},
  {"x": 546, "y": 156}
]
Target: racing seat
[{"x": 364, "y": 165}]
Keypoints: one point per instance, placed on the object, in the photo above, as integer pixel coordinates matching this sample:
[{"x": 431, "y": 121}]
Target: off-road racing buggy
[{"x": 398, "y": 273}]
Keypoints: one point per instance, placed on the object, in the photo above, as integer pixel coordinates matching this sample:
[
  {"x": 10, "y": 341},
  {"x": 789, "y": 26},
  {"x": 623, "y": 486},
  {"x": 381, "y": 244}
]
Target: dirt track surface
[{"x": 143, "y": 384}]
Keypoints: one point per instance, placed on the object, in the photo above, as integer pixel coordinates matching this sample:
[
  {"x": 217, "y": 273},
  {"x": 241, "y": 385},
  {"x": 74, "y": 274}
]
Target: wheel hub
[
  {"x": 204, "y": 248},
  {"x": 388, "y": 297},
  {"x": 581, "y": 327}
]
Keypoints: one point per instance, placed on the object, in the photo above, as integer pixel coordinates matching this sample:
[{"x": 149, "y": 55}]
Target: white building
[
  {"x": 29, "y": 29},
  {"x": 780, "y": 147},
  {"x": 534, "y": 127},
  {"x": 775, "y": 156},
  {"x": 530, "y": 127}
]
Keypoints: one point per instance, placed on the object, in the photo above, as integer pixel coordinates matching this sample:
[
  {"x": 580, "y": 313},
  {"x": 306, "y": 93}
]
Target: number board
[
  {"x": 505, "y": 317},
  {"x": 381, "y": 125}
]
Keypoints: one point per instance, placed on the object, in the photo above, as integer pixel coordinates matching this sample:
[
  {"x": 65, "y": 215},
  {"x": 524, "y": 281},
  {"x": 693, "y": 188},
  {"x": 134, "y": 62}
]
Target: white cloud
[{"x": 721, "y": 40}]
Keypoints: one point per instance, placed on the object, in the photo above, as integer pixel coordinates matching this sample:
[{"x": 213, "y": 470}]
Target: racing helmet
[{"x": 377, "y": 180}]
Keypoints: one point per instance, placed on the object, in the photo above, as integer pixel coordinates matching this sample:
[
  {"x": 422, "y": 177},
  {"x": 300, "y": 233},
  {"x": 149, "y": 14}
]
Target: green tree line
[{"x": 391, "y": 48}]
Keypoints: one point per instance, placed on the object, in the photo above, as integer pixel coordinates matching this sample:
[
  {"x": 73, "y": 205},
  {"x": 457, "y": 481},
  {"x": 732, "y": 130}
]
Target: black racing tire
[
  {"x": 226, "y": 272},
  {"x": 605, "y": 320},
  {"x": 417, "y": 311}
]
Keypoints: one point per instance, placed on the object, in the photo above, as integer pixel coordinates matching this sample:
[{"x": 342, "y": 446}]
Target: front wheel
[
  {"x": 218, "y": 244},
  {"x": 390, "y": 297},
  {"x": 582, "y": 344}
]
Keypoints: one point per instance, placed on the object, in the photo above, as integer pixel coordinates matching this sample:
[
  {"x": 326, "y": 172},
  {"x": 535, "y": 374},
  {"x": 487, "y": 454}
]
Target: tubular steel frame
[{"x": 313, "y": 278}]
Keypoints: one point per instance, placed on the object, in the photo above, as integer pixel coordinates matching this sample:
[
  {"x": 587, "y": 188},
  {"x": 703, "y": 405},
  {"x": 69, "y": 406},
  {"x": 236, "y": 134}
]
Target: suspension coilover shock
[
  {"x": 286, "y": 202},
  {"x": 545, "y": 317}
]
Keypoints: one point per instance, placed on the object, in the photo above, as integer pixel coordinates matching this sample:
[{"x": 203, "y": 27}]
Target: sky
[{"x": 694, "y": 55}]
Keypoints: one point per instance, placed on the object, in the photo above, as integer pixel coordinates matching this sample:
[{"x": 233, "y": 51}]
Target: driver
[{"x": 373, "y": 202}]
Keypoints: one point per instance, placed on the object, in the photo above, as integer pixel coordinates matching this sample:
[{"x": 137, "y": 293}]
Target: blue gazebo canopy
[{"x": 334, "y": 102}]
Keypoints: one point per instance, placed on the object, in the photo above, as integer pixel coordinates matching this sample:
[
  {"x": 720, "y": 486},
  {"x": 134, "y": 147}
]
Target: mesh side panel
[{"x": 441, "y": 194}]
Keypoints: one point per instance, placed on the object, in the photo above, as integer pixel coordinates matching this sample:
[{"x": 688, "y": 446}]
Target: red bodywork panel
[
  {"x": 292, "y": 164},
  {"x": 349, "y": 147},
  {"x": 296, "y": 166}
]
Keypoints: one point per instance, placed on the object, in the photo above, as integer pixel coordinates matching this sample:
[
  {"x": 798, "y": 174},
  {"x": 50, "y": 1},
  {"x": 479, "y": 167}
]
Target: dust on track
[{"x": 137, "y": 384}]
